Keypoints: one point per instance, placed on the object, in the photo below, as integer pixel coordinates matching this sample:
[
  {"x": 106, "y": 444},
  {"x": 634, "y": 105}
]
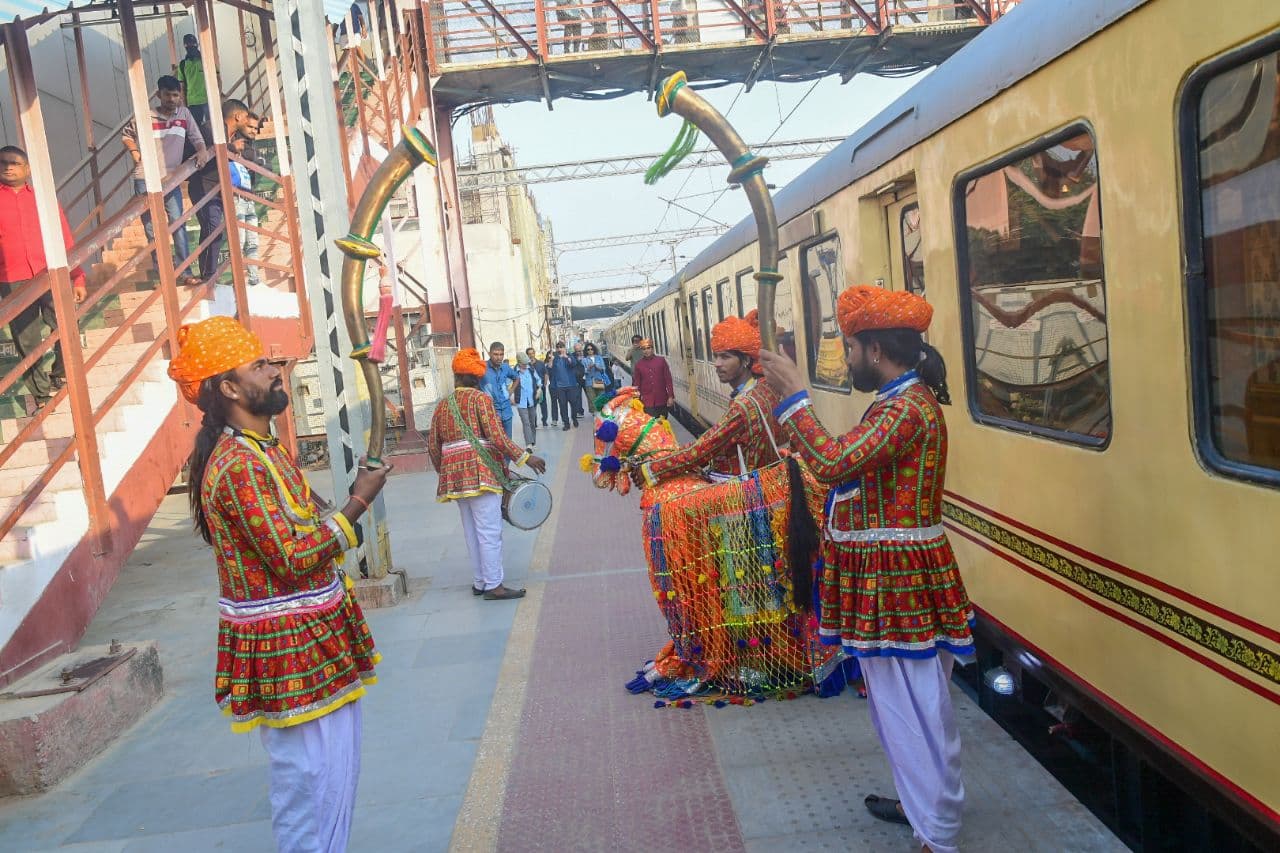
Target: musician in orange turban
[
  {"x": 279, "y": 584},
  {"x": 470, "y": 450},
  {"x": 745, "y": 438},
  {"x": 890, "y": 591}
]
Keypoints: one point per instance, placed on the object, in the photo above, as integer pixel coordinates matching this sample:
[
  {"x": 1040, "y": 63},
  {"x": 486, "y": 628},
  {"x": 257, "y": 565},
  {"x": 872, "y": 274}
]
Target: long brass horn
[
  {"x": 747, "y": 169},
  {"x": 412, "y": 151}
]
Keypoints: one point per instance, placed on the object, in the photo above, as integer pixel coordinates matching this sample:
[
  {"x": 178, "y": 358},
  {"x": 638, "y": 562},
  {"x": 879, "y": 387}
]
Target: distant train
[{"x": 1089, "y": 196}]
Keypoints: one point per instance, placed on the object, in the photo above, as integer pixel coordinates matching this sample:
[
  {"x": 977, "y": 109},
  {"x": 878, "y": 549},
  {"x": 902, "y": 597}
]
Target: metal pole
[
  {"x": 217, "y": 124},
  {"x": 288, "y": 190},
  {"x": 86, "y": 113},
  {"x": 152, "y": 171},
  {"x": 31, "y": 120},
  {"x": 314, "y": 131}
]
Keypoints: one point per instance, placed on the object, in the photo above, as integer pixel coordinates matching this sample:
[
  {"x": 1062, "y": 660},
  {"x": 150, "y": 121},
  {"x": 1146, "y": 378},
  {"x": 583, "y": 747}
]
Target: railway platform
[{"x": 504, "y": 726}]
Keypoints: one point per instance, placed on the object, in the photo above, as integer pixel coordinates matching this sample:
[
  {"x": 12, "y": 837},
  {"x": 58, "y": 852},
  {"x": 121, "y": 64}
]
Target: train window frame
[
  {"x": 807, "y": 307},
  {"x": 720, "y": 288},
  {"x": 695, "y": 298},
  {"x": 738, "y": 278},
  {"x": 1195, "y": 274},
  {"x": 959, "y": 220}
]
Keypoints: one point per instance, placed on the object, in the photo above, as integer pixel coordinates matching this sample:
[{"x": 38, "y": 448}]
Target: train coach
[{"x": 1089, "y": 196}]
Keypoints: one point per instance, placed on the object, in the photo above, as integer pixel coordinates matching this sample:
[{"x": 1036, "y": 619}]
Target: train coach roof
[{"x": 1030, "y": 36}]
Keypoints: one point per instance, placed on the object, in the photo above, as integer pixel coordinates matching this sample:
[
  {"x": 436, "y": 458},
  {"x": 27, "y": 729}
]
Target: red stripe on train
[
  {"x": 1123, "y": 617},
  {"x": 1235, "y": 618}
]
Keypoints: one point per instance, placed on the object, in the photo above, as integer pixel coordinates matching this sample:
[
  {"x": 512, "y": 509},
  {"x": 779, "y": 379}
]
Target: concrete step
[
  {"x": 41, "y": 512},
  {"x": 15, "y": 481},
  {"x": 124, "y": 354},
  {"x": 37, "y": 453},
  {"x": 16, "y": 545},
  {"x": 140, "y": 332}
]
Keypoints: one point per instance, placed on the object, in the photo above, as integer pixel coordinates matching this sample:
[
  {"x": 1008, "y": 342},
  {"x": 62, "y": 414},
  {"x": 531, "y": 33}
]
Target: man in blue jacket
[
  {"x": 564, "y": 385},
  {"x": 498, "y": 383}
]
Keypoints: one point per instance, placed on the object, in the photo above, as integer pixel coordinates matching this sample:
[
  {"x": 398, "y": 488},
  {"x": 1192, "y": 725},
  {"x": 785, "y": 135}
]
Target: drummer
[{"x": 465, "y": 465}]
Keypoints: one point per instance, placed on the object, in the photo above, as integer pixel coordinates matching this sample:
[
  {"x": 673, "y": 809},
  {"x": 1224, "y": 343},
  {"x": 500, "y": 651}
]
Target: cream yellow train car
[{"x": 1089, "y": 196}]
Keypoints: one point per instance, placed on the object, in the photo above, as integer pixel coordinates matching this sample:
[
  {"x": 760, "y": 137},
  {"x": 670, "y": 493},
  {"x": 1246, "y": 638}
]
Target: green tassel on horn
[{"x": 685, "y": 140}]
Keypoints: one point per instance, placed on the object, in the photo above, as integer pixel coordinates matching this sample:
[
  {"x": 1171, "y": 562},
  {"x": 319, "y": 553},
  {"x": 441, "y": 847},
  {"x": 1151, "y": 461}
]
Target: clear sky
[{"x": 602, "y": 207}]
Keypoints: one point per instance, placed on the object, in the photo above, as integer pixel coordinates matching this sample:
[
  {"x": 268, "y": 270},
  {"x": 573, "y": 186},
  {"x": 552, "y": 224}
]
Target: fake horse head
[{"x": 624, "y": 432}]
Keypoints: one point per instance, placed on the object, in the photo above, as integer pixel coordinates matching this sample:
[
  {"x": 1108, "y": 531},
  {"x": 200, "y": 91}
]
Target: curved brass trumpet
[
  {"x": 413, "y": 151},
  {"x": 675, "y": 96}
]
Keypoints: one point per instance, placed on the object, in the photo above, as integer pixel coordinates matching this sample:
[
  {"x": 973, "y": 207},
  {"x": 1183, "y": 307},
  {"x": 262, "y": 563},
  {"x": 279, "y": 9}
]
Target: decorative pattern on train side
[{"x": 1242, "y": 652}]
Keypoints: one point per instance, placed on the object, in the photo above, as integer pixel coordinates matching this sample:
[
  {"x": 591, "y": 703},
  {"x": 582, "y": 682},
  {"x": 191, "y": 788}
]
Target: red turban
[
  {"x": 208, "y": 348},
  {"x": 468, "y": 362},
  {"x": 864, "y": 307}
]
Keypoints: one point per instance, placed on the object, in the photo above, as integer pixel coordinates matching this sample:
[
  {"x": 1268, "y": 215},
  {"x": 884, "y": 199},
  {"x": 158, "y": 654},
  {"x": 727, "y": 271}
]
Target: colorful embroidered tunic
[
  {"x": 462, "y": 474},
  {"x": 888, "y": 583},
  {"x": 748, "y": 425},
  {"x": 292, "y": 642}
]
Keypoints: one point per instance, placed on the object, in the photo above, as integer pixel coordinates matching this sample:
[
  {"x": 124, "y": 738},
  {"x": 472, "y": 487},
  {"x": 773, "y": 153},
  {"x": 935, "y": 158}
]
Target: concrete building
[{"x": 508, "y": 247}]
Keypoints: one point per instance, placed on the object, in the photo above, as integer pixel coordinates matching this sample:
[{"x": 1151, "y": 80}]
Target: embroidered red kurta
[
  {"x": 462, "y": 474},
  {"x": 292, "y": 642},
  {"x": 889, "y": 584},
  {"x": 747, "y": 425}
]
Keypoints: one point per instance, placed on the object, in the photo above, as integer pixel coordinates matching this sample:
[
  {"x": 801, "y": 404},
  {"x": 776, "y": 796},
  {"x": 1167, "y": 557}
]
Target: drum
[{"x": 527, "y": 504}]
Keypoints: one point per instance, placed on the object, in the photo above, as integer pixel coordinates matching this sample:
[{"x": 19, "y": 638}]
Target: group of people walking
[
  {"x": 295, "y": 654},
  {"x": 561, "y": 385}
]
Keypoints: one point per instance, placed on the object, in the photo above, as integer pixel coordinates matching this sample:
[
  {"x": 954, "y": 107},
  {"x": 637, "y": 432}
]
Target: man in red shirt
[
  {"x": 22, "y": 259},
  {"x": 652, "y": 379}
]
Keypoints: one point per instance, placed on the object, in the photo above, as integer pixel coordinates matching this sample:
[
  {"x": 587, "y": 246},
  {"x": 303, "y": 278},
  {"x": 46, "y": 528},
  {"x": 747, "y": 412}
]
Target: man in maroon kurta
[{"x": 652, "y": 379}]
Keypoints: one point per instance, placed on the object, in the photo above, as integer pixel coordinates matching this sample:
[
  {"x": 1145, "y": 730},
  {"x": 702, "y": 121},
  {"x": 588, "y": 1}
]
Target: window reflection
[
  {"x": 1239, "y": 143},
  {"x": 823, "y": 278},
  {"x": 1036, "y": 289},
  {"x": 912, "y": 251}
]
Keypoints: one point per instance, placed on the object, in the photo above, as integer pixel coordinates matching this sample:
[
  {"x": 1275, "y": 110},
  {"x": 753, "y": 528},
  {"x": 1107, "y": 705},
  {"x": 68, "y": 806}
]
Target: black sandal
[
  {"x": 886, "y": 809},
  {"x": 477, "y": 590}
]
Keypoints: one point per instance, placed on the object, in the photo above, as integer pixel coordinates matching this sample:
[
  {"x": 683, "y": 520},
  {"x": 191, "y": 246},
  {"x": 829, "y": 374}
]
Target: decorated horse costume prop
[{"x": 722, "y": 569}]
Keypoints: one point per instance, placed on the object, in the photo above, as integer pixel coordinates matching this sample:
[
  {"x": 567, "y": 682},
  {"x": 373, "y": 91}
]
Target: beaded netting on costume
[{"x": 720, "y": 573}]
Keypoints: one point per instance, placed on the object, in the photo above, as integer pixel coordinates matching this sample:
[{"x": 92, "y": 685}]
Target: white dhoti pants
[
  {"x": 911, "y": 709},
  {"x": 482, "y": 527},
  {"x": 314, "y": 770}
]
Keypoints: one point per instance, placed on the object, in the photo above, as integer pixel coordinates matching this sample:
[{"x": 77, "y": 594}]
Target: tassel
[
  {"x": 378, "y": 348},
  {"x": 685, "y": 140}
]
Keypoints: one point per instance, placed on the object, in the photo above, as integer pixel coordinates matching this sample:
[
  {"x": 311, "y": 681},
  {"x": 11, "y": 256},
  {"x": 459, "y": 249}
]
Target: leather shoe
[{"x": 503, "y": 593}]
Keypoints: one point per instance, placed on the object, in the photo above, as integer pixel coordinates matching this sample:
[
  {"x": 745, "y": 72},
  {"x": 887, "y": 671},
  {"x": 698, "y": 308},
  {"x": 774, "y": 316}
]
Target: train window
[
  {"x": 823, "y": 277},
  {"x": 662, "y": 330},
  {"x": 706, "y": 321},
  {"x": 1030, "y": 242},
  {"x": 912, "y": 250},
  {"x": 1231, "y": 149},
  {"x": 693, "y": 327},
  {"x": 745, "y": 287},
  {"x": 721, "y": 286}
]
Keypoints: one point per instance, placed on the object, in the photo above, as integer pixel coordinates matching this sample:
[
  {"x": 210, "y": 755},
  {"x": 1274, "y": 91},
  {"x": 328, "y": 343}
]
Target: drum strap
[{"x": 486, "y": 458}]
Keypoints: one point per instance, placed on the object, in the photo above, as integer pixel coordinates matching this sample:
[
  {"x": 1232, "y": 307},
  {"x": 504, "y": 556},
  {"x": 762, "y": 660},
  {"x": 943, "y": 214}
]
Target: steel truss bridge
[
  {"x": 632, "y": 164},
  {"x": 503, "y": 51}
]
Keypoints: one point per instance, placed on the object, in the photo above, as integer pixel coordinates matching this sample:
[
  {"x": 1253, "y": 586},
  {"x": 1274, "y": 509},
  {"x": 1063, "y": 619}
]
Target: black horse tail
[{"x": 802, "y": 539}]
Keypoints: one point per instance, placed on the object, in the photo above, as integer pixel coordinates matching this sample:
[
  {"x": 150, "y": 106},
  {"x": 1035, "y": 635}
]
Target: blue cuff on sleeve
[{"x": 783, "y": 408}]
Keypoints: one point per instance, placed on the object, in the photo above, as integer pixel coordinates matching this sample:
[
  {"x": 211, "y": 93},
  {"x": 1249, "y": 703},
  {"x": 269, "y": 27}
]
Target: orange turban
[
  {"x": 864, "y": 307},
  {"x": 468, "y": 362},
  {"x": 735, "y": 333},
  {"x": 208, "y": 348}
]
